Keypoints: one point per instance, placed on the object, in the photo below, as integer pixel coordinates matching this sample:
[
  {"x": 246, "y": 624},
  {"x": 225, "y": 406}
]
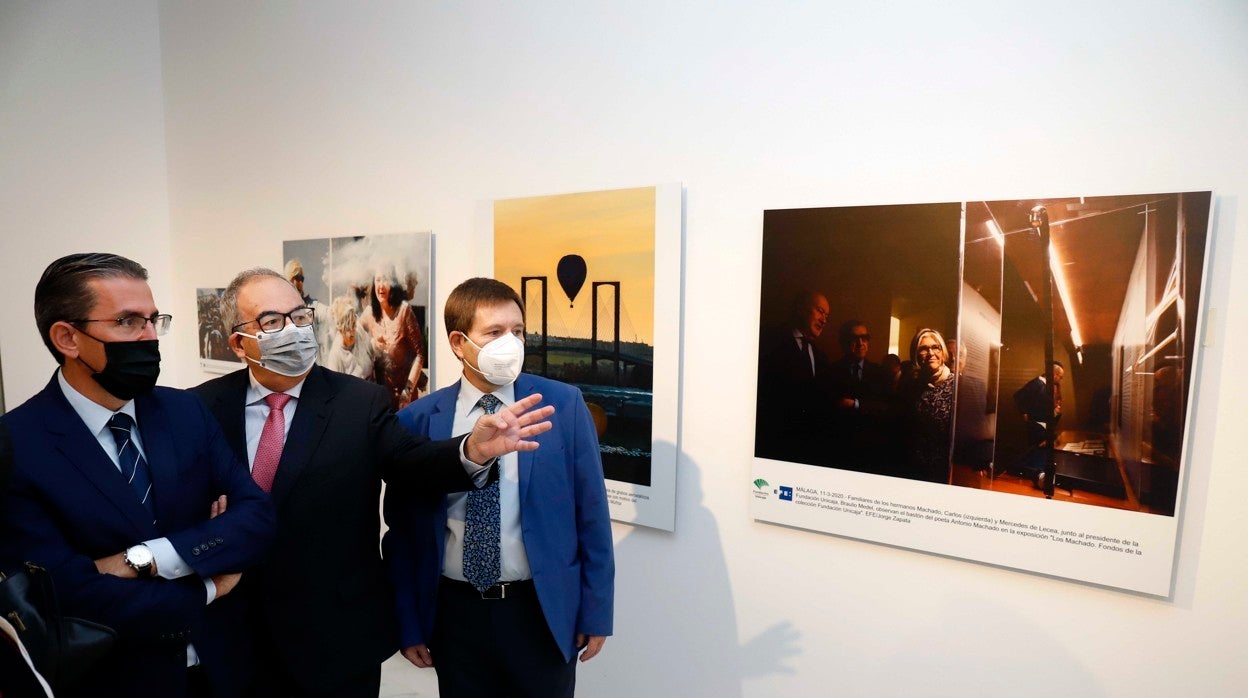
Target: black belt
[{"x": 499, "y": 591}]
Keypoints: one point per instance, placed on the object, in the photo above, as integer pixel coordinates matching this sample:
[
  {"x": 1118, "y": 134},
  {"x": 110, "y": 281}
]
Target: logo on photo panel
[
  {"x": 786, "y": 493},
  {"x": 761, "y": 488}
]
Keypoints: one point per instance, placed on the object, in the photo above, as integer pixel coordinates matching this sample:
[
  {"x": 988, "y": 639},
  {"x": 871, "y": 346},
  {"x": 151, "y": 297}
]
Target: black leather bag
[{"x": 60, "y": 647}]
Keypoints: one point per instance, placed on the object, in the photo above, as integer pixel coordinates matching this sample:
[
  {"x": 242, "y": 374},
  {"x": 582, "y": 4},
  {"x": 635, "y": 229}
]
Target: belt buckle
[{"x": 496, "y": 592}]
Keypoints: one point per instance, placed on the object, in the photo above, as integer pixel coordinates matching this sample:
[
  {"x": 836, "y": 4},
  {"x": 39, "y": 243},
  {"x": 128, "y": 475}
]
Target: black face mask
[{"x": 131, "y": 368}]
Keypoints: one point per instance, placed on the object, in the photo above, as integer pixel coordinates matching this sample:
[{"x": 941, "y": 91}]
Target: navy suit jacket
[
  {"x": 566, "y": 523},
  {"x": 68, "y": 505}
]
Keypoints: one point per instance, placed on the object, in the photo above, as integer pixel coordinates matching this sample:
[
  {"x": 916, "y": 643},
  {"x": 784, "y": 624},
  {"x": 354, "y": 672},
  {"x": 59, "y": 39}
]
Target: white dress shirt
[
  {"x": 514, "y": 561},
  {"x": 257, "y": 410}
]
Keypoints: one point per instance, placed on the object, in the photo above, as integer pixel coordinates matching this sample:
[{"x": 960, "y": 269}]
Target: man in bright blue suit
[
  {"x": 120, "y": 490},
  {"x": 500, "y": 590}
]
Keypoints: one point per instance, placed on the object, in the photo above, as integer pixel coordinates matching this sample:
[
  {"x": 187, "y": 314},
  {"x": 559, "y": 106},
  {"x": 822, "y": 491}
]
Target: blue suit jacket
[
  {"x": 566, "y": 523},
  {"x": 67, "y": 505}
]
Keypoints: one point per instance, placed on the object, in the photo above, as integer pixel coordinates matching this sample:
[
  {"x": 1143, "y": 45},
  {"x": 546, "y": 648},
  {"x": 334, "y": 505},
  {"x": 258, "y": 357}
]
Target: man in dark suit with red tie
[{"x": 322, "y": 442}]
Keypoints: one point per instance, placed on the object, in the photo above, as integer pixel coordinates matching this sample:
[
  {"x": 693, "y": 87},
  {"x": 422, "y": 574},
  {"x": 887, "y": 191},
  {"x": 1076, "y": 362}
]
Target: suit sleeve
[
  {"x": 133, "y": 607},
  {"x": 410, "y": 547},
  {"x": 412, "y": 460},
  {"x": 411, "y": 554},
  {"x": 239, "y": 538},
  {"x": 593, "y": 528},
  {"x": 6, "y": 458}
]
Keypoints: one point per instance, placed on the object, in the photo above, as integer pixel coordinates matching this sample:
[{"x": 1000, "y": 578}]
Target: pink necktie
[{"x": 269, "y": 452}]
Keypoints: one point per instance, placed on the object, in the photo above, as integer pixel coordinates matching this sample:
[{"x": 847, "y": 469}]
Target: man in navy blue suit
[
  {"x": 119, "y": 488},
  {"x": 501, "y": 590}
]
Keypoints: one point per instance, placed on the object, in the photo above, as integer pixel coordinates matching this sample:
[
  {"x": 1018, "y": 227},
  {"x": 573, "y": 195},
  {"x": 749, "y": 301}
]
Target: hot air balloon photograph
[{"x": 585, "y": 266}]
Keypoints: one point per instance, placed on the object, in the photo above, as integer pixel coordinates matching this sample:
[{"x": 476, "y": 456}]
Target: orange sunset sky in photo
[{"x": 613, "y": 231}]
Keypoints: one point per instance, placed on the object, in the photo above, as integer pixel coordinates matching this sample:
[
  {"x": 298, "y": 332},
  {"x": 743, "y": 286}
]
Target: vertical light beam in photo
[
  {"x": 995, "y": 231},
  {"x": 1059, "y": 280}
]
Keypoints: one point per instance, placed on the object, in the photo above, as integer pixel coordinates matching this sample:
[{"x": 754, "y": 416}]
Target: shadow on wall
[
  {"x": 1017, "y": 656},
  {"x": 675, "y": 623}
]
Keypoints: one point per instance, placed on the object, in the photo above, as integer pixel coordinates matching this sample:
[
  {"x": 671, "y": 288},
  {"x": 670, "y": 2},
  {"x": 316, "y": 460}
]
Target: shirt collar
[
  {"x": 93, "y": 414},
  {"x": 257, "y": 392},
  {"x": 469, "y": 394}
]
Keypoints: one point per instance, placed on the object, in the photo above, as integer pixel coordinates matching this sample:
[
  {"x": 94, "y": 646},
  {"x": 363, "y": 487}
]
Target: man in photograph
[
  {"x": 1041, "y": 408},
  {"x": 502, "y": 609},
  {"x": 321, "y": 442},
  {"x": 1039, "y": 405},
  {"x": 117, "y": 489},
  {"x": 793, "y": 402},
  {"x": 859, "y": 402}
]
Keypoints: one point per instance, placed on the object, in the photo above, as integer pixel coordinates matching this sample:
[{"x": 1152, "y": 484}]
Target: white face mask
[
  {"x": 291, "y": 351},
  {"x": 499, "y": 361}
]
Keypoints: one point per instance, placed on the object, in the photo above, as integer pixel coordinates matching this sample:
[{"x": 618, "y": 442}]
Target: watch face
[{"x": 139, "y": 556}]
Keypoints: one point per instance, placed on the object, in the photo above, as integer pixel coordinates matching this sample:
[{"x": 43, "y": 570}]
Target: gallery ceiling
[{"x": 1094, "y": 240}]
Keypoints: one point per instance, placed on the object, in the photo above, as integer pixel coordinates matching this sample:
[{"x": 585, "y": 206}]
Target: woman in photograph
[
  {"x": 398, "y": 345},
  {"x": 929, "y": 405}
]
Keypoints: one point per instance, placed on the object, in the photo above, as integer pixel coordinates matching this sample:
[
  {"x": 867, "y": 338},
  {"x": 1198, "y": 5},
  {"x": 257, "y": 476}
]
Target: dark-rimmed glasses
[{"x": 275, "y": 321}]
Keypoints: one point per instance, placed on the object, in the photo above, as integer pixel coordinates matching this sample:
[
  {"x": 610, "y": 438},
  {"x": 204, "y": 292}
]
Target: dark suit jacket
[
  {"x": 323, "y": 598},
  {"x": 563, "y": 501},
  {"x": 1034, "y": 400},
  {"x": 793, "y": 407},
  {"x": 1036, "y": 403},
  {"x": 68, "y": 505}
]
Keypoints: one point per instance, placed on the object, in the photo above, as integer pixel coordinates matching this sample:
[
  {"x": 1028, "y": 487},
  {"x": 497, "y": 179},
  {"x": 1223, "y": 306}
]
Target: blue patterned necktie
[
  {"x": 482, "y": 557},
  {"x": 133, "y": 464}
]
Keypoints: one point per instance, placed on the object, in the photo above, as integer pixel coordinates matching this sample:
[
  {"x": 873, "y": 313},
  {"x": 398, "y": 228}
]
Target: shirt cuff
[
  {"x": 480, "y": 473},
  {"x": 169, "y": 564},
  {"x": 211, "y": 587}
]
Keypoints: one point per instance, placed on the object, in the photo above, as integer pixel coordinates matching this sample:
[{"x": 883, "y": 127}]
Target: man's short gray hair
[{"x": 229, "y": 299}]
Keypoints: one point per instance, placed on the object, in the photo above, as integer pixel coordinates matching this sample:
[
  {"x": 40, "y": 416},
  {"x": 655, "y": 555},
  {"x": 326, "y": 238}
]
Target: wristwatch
[{"x": 139, "y": 558}]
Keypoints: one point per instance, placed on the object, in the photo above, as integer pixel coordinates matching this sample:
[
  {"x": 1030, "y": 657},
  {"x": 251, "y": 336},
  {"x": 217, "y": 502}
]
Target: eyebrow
[
  {"x": 280, "y": 312},
  {"x": 129, "y": 312}
]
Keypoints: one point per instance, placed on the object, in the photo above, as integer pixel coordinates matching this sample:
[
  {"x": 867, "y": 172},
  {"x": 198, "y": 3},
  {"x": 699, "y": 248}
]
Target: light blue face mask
[{"x": 291, "y": 351}]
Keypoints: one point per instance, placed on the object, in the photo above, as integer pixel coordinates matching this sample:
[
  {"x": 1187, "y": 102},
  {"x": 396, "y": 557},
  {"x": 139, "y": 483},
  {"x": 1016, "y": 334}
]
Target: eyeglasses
[
  {"x": 273, "y": 322},
  {"x": 133, "y": 325},
  {"x": 297, "y": 277},
  {"x": 860, "y": 338},
  {"x": 929, "y": 348}
]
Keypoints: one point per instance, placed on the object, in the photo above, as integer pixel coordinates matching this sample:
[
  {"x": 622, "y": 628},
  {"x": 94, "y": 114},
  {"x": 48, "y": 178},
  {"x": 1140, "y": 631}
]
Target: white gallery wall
[
  {"x": 82, "y": 159},
  {"x": 314, "y": 119}
]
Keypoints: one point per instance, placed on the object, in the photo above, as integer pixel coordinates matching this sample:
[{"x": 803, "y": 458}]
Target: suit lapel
[
  {"x": 162, "y": 460},
  {"x": 442, "y": 419},
  {"x": 312, "y": 414},
  {"x": 79, "y": 446},
  {"x": 524, "y": 388},
  {"x": 230, "y": 409}
]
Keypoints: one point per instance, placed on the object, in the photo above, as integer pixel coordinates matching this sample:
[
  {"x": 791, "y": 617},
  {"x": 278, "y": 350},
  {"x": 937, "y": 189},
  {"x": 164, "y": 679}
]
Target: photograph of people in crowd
[
  {"x": 1039, "y": 347},
  {"x": 370, "y": 296}
]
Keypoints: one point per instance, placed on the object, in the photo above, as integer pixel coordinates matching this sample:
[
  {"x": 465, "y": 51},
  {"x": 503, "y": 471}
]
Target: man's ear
[
  {"x": 64, "y": 338},
  {"x": 236, "y": 346},
  {"x": 456, "y": 338}
]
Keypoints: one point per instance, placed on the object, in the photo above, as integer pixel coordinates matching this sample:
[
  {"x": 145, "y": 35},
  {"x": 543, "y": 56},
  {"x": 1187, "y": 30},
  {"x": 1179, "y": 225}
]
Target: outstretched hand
[{"x": 508, "y": 430}]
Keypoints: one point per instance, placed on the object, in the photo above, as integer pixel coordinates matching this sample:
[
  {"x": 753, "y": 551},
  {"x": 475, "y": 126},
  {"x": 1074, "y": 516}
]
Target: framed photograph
[
  {"x": 1002, "y": 381},
  {"x": 371, "y": 295},
  {"x": 215, "y": 355},
  {"x": 592, "y": 269}
]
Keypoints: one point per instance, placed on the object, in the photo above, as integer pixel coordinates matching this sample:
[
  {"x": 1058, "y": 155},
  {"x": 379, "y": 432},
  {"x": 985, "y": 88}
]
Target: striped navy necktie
[{"x": 133, "y": 465}]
